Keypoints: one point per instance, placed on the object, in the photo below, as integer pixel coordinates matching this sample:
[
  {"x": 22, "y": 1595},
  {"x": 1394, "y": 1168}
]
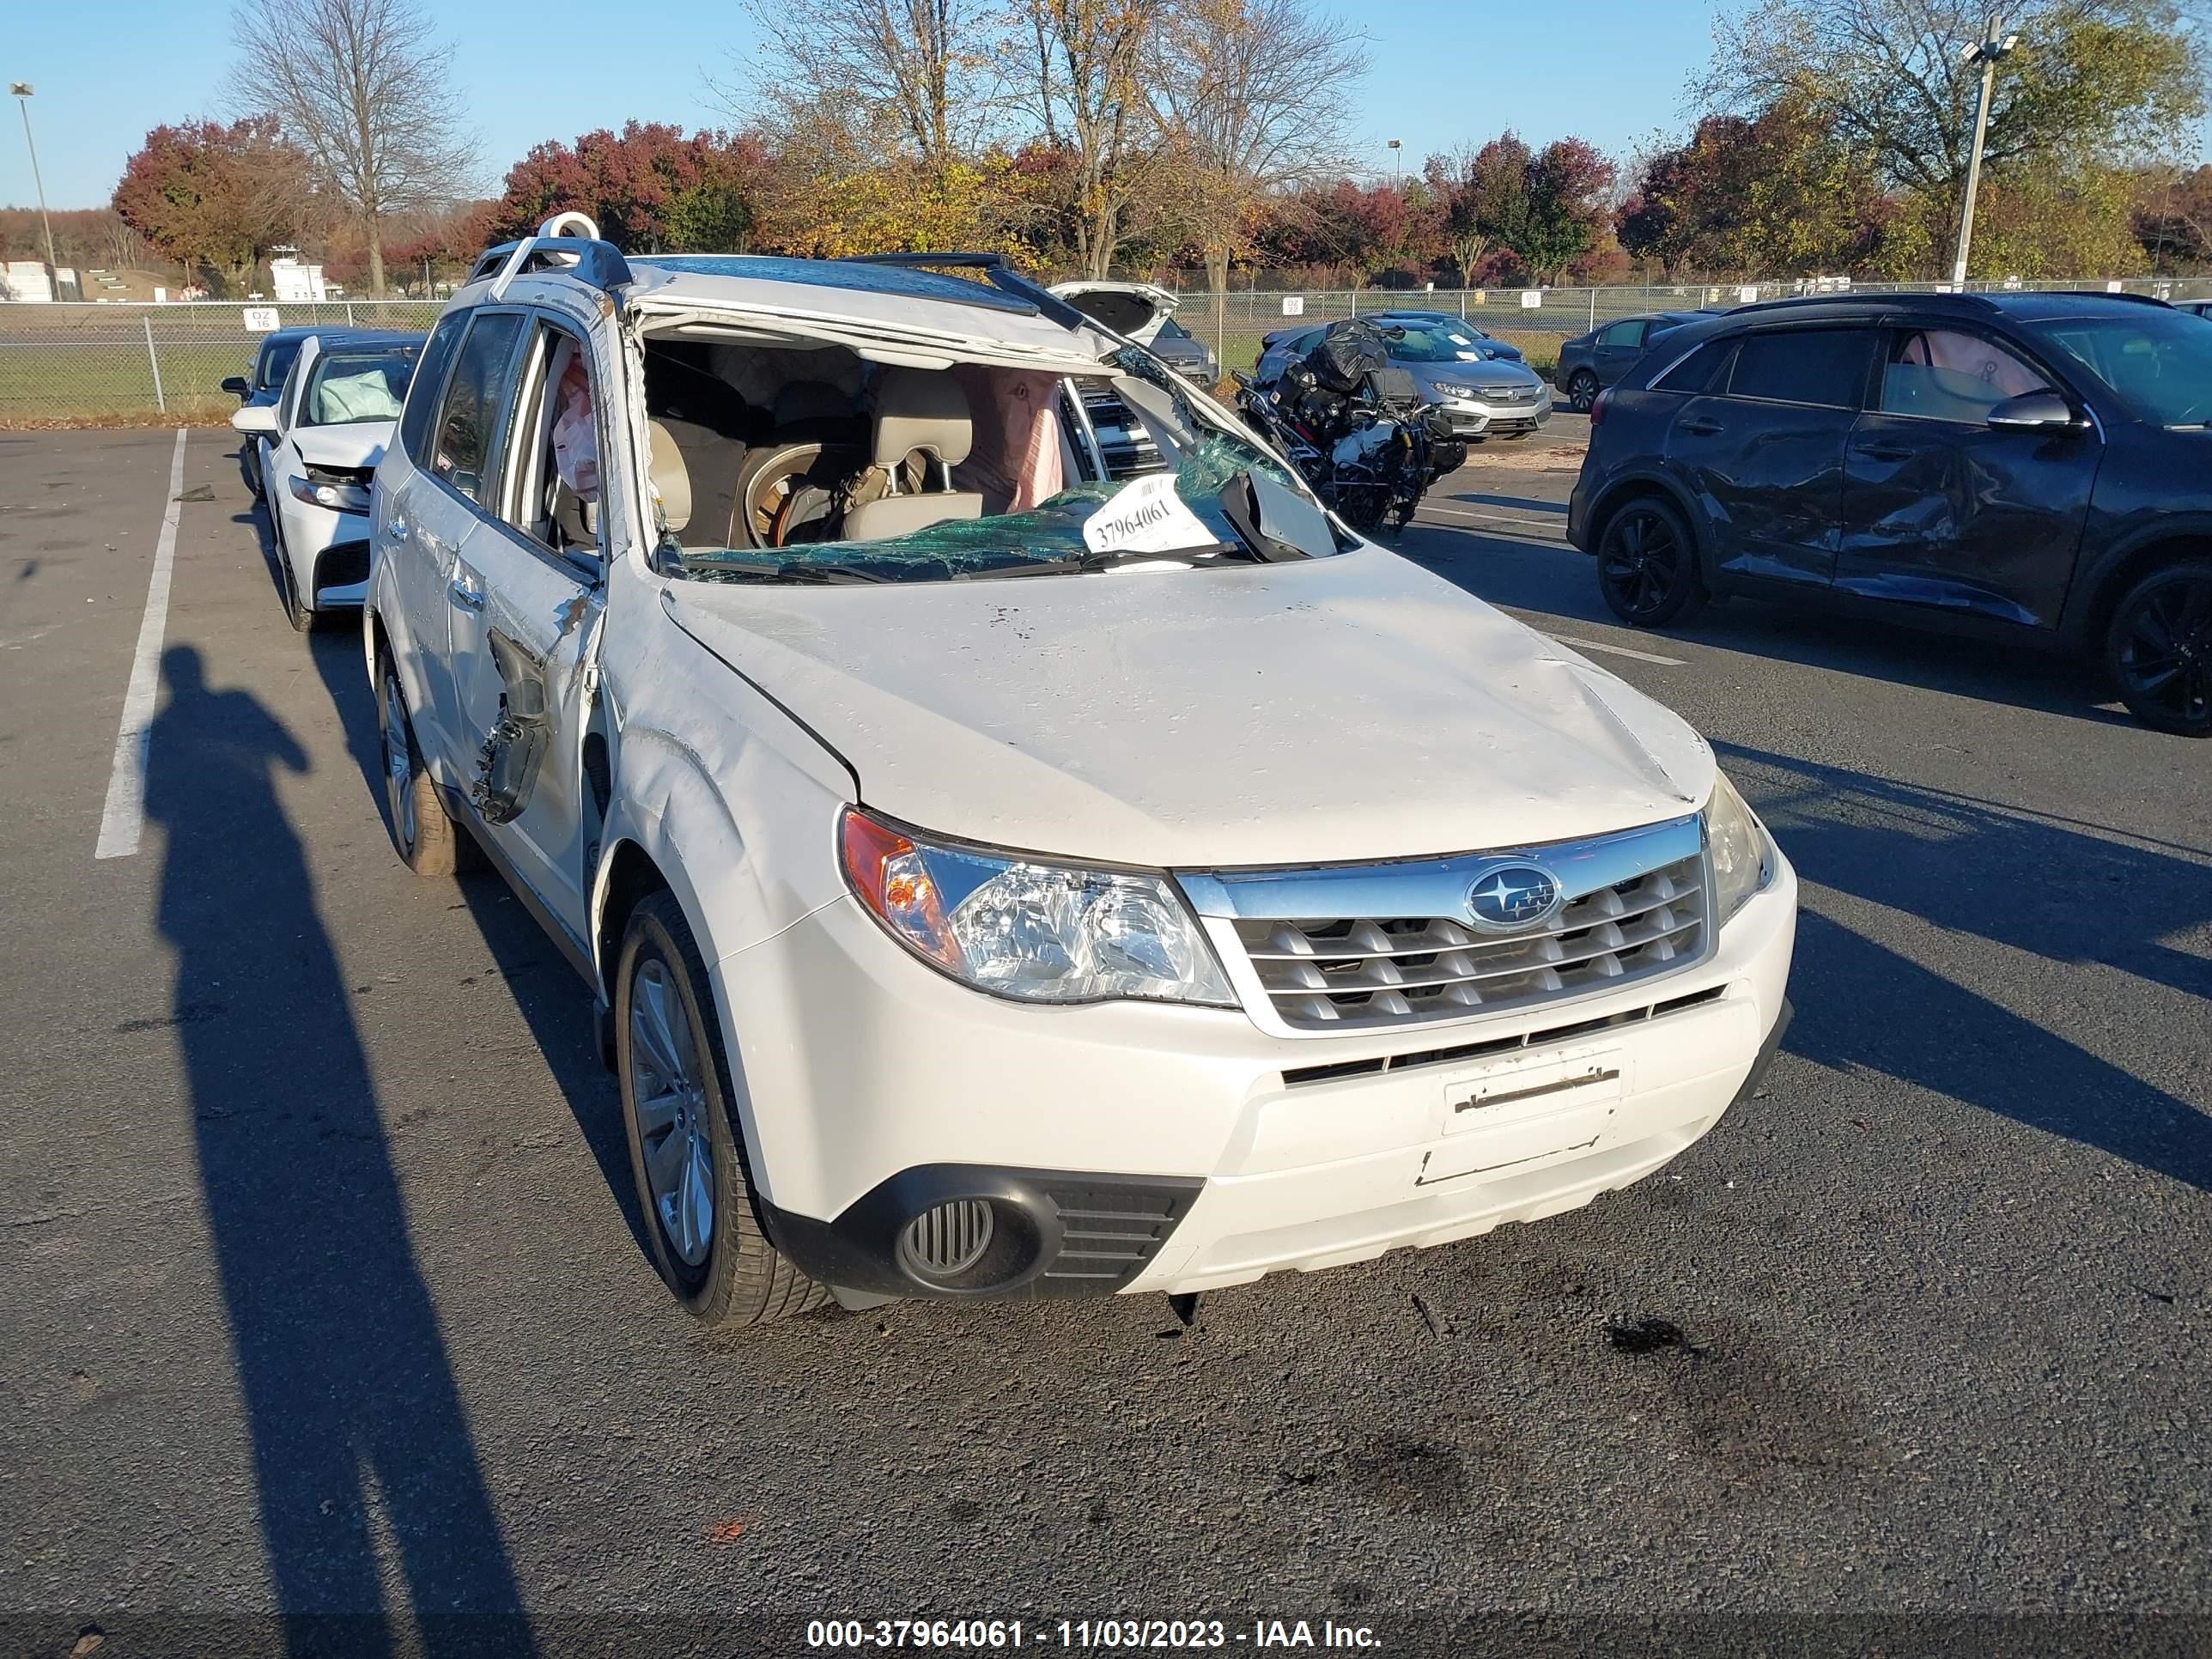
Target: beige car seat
[{"x": 924, "y": 409}]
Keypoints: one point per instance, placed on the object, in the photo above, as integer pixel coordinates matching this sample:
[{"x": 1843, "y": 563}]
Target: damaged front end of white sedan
[{"x": 1000, "y": 877}]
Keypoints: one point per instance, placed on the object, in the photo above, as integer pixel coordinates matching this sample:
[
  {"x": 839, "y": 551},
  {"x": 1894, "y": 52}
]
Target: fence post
[
  {"x": 161, "y": 404},
  {"x": 349, "y": 314},
  {"x": 1355, "y": 303},
  {"x": 1593, "y": 305},
  {"x": 1462, "y": 305}
]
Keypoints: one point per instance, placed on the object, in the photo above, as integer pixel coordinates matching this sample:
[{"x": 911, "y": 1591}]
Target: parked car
[
  {"x": 318, "y": 446},
  {"x": 970, "y": 911},
  {"x": 1146, "y": 314},
  {"x": 2030, "y": 467},
  {"x": 271, "y": 363},
  {"x": 2195, "y": 308},
  {"x": 1482, "y": 395},
  {"x": 1592, "y": 361}
]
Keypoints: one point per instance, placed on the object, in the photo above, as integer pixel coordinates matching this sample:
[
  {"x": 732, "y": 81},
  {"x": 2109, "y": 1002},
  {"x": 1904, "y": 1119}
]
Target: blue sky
[{"x": 1445, "y": 71}]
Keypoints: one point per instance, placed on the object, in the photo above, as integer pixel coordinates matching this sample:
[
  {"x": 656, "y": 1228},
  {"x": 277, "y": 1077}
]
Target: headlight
[
  {"x": 1451, "y": 391},
  {"x": 1024, "y": 928},
  {"x": 1739, "y": 848},
  {"x": 318, "y": 490}
]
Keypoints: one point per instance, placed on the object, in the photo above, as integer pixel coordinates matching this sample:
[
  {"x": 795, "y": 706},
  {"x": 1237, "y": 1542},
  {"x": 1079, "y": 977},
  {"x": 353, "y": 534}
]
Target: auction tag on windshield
[{"x": 1145, "y": 516}]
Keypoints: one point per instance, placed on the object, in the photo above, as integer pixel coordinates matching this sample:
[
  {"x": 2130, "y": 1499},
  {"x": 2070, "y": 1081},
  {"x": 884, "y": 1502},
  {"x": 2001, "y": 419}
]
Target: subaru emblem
[{"x": 1511, "y": 898}]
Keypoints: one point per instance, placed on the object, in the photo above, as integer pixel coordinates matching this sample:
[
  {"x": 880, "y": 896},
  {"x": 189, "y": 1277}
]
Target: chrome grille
[{"x": 1638, "y": 909}]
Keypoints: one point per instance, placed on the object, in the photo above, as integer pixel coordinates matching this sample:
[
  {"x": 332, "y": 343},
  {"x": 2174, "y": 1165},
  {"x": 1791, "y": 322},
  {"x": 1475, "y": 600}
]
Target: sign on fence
[
  {"x": 261, "y": 320},
  {"x": 1532, "y": 299},
  {"x": 1294, "y": 305}
]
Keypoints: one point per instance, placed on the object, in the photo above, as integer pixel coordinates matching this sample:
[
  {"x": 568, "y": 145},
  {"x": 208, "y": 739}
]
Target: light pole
[
  {"x": 1984, "y": 51},
  {"x": 1397, "y": 161},
  {"x": 20, "y": 92}
]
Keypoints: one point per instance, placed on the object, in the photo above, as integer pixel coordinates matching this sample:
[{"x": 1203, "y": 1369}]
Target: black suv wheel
[
  {"x": 1581, "y": 390},
  {"x": 1647, "y": 565},
  {"x": 2159, "y": 649}
]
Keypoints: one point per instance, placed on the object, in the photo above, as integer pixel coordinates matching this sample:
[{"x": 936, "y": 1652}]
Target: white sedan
[{"x": 318, "y": 447}]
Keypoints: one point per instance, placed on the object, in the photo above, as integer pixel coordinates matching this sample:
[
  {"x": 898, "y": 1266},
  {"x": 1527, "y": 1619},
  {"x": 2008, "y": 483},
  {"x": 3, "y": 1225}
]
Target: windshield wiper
[
  {"x": 1084, "y": 563},
  {"x": 797, "y": 571}
]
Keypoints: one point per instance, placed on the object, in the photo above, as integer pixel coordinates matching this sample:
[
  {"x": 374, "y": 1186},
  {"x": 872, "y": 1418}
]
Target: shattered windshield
[{"x": 843, "y": 518}]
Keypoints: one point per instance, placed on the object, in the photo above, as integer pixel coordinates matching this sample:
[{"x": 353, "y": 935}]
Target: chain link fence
[
  {"x": 91, "y": 363},
  {"x": 94, "y": 363}
]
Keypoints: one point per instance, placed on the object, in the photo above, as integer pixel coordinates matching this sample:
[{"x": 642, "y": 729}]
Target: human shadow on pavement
[
  {"x": 2018, "y": 880},
  {"x": 358, "y": 1430},
  {"x": 555, "y": 1003}
]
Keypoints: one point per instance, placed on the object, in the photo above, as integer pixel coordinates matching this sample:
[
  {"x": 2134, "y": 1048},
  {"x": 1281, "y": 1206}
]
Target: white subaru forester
[{"x": 1001, "y": 877}]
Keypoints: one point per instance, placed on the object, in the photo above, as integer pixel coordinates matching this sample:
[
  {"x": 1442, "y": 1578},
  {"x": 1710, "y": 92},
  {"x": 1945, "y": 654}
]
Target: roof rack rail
[
  {"x": 996, "y": 271},
  {"x": 598, "y": 261}
]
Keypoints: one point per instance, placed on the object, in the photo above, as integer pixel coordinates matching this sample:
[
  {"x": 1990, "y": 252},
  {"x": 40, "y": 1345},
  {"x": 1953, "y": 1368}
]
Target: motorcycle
[{"x": 1354, "y": 427}]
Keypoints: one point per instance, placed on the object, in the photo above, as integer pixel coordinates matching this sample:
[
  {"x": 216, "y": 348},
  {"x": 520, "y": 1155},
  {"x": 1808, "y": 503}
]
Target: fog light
[{"x": 942, "y": 1243}]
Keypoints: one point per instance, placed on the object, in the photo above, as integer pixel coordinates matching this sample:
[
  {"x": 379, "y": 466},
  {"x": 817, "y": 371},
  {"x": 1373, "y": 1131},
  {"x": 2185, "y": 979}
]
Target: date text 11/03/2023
[{"x": 986, "y": 1635}]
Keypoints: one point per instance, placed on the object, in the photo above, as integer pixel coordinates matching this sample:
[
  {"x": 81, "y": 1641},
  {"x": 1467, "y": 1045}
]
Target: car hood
[
  {"x": 355, "y": 443},
  {"x": 1348, "y": 708},
  {"x": 1135, "y": 309}
]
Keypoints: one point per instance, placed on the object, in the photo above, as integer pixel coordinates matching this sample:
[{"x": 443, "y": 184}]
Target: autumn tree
[
  {"x": 650, "y": 188},
  {"x": 2095, "y": 84},
  {"x": 2171, "y": 216},
  {"x": 917, "y": 80},
  {"x": 1253, "y": 98},
  {"x": 215, "y": 198},
  {"x": 1771, "y": 195},
  {"x": 1092, "y": 70},
  {"x": 362, "y": 87}
]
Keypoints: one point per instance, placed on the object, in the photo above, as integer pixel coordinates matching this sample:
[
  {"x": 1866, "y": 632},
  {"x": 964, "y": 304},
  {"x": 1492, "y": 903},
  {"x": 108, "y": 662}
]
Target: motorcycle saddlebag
[{"x": 1347, "y": 354}]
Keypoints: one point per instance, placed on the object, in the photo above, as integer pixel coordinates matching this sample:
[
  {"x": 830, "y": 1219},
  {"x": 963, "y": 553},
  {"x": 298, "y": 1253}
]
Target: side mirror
[
  {"x": 236, "y": 385},
  {"x": 255, "y": 420},
  {"x": 2032, "y": 411}
]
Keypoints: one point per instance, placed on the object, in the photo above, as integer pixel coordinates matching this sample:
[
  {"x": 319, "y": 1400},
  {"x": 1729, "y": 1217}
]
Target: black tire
[
  {"x": 424, "y": 835},
  {"x": 729, "y": 1274},
  {"x": 1647, "y": 565},
  {"x": 303, "y": 620},
  {"x": 2158, "y": 648},
  {"x": 1581, "y": 390}
]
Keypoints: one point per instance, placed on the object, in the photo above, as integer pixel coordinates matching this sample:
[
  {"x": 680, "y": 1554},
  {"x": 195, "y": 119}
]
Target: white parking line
[
  {"x": 1557, "y": 526},
  {"x": 1620, "y": 651},
  {"x": 125, "y": 815}
]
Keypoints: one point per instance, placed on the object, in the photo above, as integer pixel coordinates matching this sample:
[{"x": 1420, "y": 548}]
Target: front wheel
[
  {"x": 684, "y": 1149},
  {"x": 1581, "y": 390},
  {"x": 428, "y": 842},
  {"x": 1647, "y": 565},
  {"x": 2159, "y": 649}
]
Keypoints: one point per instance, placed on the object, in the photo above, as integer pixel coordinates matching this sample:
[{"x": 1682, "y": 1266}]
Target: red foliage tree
[
  {"x": 216, "y": 198},
  {"x": 650, "y": 188}
]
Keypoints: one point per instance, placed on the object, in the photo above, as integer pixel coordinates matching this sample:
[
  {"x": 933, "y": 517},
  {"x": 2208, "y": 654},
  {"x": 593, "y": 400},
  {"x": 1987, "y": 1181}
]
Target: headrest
[
  {"x": 670, "y": 477},
  {"x": 921, "y": 409}
]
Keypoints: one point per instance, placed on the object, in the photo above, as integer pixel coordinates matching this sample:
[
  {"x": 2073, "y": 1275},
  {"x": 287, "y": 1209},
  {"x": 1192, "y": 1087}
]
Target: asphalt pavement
[{"x": 322, "y": 1293}]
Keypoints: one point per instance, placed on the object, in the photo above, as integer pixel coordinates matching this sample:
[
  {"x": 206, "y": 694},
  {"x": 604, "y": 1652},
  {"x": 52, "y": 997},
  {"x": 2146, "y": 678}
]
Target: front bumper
[
  {"x": 329, "y": 547},
  {"x": 863, "y": 1076},
  {"x": 1476, "y": 418}
]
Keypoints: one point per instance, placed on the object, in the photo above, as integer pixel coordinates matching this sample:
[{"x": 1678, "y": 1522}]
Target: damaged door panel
[
  {"x": 520, "y": 654},
  {"x": 507, "y": 765}
]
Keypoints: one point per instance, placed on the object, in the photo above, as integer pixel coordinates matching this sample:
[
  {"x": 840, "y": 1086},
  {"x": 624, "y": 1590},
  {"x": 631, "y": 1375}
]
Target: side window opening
[
  {"x": 1948, "y": 375},
  {"x": 469, "y": 421},
  {"x": 1826, "y": 368},
  {"x": 1703, "y": 368},
  {"x": 427, "y": 390},
  {"x": 558, "y": 435}
]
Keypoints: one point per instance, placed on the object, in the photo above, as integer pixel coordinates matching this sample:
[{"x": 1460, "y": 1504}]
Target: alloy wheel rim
[
  {"x": 2166, "y": 654},
  {"x": 667, "y": 1084},
  {"x": 1643, "y": 562},
  {"x": 399, "y": 762}
]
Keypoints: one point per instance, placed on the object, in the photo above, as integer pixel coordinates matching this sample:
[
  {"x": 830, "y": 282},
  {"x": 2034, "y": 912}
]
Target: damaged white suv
[{"x": 1002, "y": 880}]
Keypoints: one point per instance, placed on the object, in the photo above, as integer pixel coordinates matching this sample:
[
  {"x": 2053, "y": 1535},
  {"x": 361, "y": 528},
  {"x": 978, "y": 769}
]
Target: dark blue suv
[{"x": 2031, "y": 467}]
